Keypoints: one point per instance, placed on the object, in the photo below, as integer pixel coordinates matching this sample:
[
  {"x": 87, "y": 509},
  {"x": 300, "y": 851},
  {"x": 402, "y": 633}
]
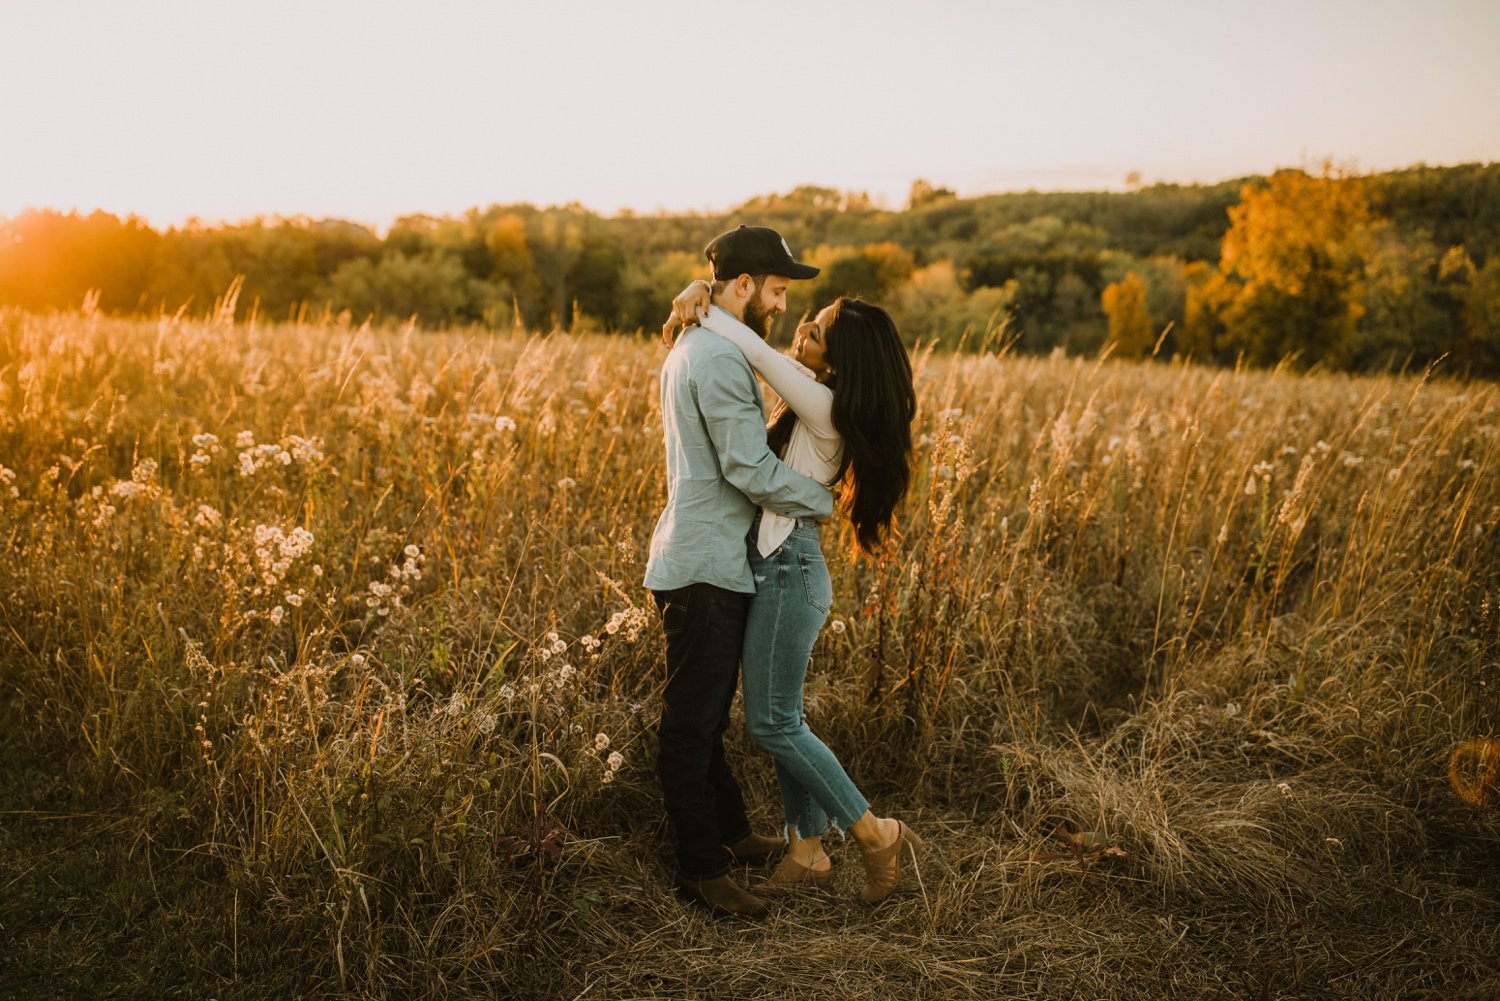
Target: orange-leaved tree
[
  {"x": 1124, "y": 304},
  {"x": 1294, "y": 262}
]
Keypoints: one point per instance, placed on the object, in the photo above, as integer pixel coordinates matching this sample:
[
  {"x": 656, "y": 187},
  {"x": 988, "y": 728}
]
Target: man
[{"x": 719, "y": 472}]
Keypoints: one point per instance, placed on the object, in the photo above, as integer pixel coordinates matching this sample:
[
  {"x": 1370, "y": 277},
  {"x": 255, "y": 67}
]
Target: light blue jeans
[{"x": 792, "y": 597}]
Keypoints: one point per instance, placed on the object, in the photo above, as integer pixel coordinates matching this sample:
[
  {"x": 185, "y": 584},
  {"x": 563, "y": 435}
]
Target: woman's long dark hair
[{"x": 874, "y": 403}]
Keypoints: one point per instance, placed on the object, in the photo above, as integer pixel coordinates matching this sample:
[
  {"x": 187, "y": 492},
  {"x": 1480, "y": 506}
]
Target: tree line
[{"x": 1328, "y": 267}]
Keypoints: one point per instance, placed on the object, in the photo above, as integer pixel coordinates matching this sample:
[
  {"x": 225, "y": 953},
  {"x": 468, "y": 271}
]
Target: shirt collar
[{"x": 720, "y": 319}]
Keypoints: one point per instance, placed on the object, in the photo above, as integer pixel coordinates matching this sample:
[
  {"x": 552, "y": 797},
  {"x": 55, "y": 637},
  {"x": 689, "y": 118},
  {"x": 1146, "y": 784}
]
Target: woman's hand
[{"x": 688, "y": 309}]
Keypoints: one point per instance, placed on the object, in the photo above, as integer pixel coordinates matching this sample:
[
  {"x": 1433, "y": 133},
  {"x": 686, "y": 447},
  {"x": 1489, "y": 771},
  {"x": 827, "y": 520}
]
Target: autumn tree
[
  {"x": 1130, "y": 329},
  {"x": 512, "y": 267},
  {"x": 871, "y": 272},
  {"x": 1206, "y": 298},
  {"x": 1294, "y": 255}
]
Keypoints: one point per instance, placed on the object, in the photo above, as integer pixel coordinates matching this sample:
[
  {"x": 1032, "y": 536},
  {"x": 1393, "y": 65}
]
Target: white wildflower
[{"x": 304, "y": 450}]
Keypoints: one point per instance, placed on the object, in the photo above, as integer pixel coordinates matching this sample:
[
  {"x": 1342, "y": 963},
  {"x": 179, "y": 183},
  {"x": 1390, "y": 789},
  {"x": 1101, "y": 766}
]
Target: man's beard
[{"x": 758, "y": 318}]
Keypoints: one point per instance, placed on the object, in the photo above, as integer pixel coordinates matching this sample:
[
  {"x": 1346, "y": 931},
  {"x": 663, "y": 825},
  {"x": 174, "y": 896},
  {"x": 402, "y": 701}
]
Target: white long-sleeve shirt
[{"x": 815, "y": 448}]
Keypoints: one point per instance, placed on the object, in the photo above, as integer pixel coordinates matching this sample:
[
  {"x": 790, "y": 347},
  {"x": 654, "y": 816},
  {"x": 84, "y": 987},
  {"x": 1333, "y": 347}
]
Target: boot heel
[{"x": 883, "y": 865}]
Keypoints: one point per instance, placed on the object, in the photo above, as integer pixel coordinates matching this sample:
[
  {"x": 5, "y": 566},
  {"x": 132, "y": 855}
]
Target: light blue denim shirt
[{"x": 719, "y": 468}]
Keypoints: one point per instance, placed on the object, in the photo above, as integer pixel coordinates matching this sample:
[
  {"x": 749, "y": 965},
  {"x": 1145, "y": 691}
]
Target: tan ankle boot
[
  {"x": 723, "y": 896},
  {"x": 755, "y": 848}
]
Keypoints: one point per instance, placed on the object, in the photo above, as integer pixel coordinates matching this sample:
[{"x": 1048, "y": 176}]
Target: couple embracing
[{"x": 737, "y": 570}]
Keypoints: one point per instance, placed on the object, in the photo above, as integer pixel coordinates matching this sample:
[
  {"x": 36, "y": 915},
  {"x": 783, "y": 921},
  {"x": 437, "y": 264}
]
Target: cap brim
[{"x": 790, "y": 269}]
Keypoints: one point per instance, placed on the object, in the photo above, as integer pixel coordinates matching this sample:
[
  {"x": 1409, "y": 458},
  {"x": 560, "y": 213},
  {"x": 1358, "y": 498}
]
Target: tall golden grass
[{"x": 1170, "y": 663}]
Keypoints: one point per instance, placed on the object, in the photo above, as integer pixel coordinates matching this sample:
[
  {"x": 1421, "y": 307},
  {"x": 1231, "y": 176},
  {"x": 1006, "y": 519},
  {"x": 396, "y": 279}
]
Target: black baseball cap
[{"x": 753, "y": 250}]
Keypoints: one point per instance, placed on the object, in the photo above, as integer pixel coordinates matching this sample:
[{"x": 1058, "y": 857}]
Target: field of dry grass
[{"x": 327, "y": 671}]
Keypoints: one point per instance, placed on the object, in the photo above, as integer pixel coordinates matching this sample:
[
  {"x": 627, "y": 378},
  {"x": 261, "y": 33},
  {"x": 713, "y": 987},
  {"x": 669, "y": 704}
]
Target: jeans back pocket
[{"x": 816, "y": 581}]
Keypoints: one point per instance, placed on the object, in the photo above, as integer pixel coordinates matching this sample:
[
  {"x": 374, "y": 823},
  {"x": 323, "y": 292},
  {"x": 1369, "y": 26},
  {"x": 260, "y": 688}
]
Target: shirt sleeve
[
  {"x": 809, "y": 399},
  {"x": 726, "y": 399}
]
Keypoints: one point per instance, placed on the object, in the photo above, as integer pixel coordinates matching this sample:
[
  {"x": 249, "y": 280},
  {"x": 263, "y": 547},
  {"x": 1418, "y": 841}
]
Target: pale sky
[{"x": 369, "y": 110}]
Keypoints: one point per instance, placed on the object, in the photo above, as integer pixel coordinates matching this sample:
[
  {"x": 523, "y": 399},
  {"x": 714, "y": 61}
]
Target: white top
[{"x": 815, "y": 447}]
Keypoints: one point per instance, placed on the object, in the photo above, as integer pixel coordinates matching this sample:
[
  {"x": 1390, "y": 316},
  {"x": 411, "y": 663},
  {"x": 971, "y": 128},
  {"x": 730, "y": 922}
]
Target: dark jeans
[{"x": 705, "y": 630}]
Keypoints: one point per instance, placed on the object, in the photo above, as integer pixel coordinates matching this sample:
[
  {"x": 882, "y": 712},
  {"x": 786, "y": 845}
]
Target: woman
[{"x": 848, "y": 404}]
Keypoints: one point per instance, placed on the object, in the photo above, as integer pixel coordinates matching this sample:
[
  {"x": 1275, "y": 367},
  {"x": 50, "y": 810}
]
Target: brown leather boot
[
  {"x": 755, "y": 848},
  {"x": 723, "y": 896}
]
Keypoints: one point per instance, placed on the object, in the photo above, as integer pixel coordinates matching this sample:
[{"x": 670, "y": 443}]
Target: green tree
[
  {"x": 432, "y": 286},
  {"x": 925, "y": 193},
  {"x": 1405, "y": 318},
  {"x": 934, "y": 306},
  {"x": 1480, "y": 348}
]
